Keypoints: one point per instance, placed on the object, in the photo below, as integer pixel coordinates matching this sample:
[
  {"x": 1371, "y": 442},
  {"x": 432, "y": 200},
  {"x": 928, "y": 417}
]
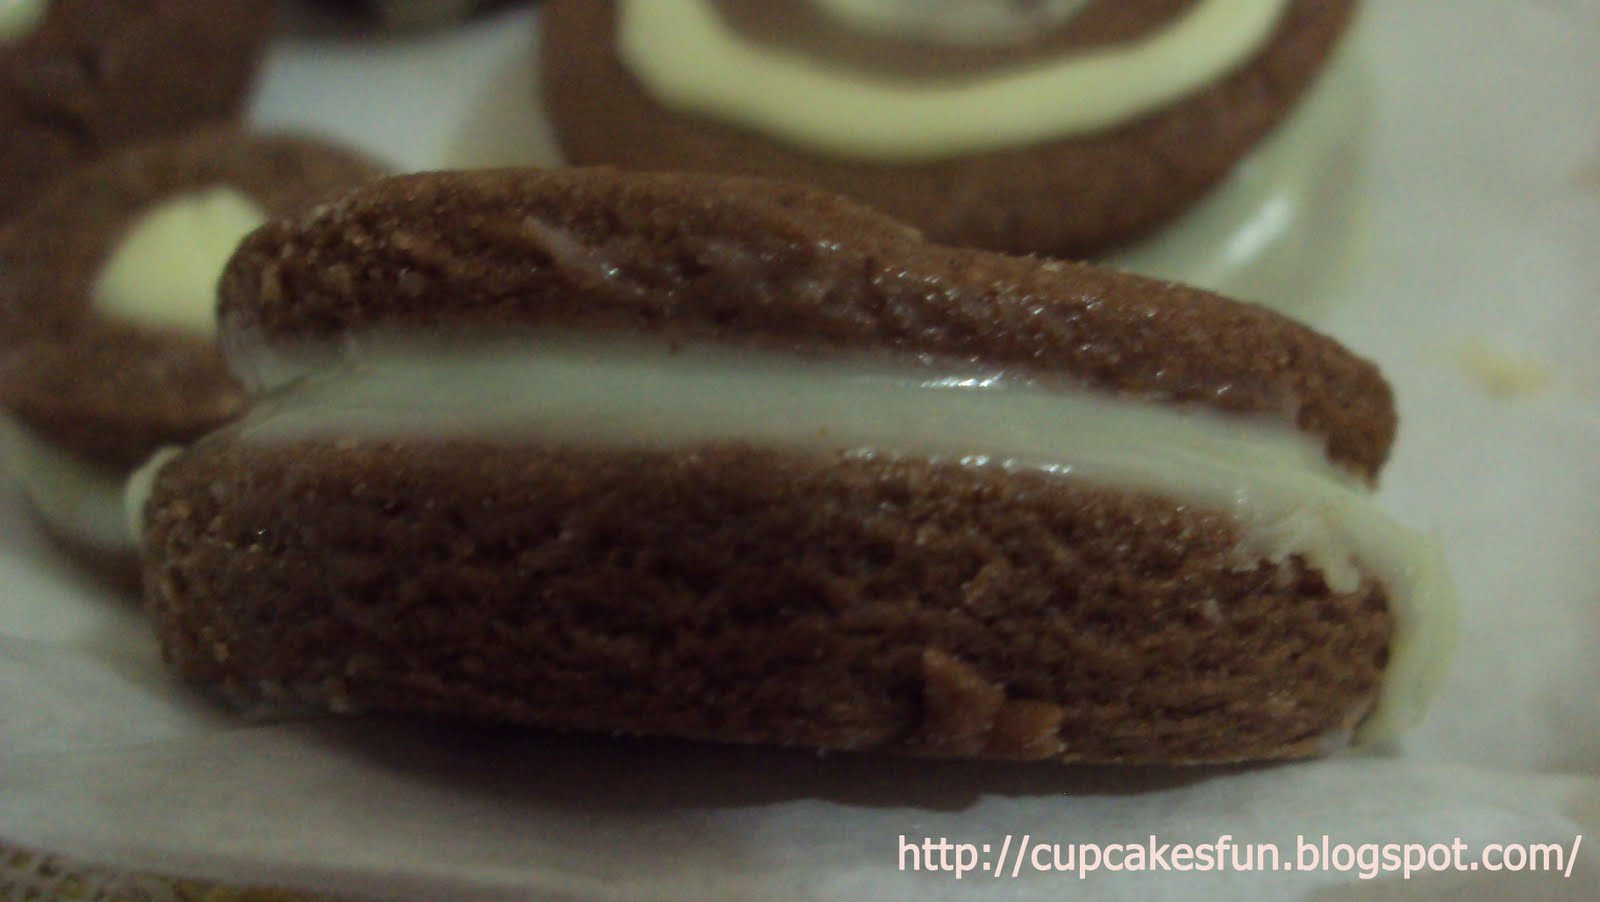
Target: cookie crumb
[{"x": 1502, "y": 373}]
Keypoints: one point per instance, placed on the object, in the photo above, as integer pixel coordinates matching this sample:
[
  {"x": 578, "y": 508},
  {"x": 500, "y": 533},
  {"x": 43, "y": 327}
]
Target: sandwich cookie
[
  {"x": 1073, "y": 129},
  {"x": 107, "y": 312},
  {"x": 730, "y": 459},
  {"x": 80, "y": 77}
]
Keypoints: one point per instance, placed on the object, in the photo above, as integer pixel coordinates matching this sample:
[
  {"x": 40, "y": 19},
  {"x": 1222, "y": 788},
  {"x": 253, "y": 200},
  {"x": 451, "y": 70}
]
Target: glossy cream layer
[
  {"x": 690, "y": 60},
  {"x": 18, "y": 18},
  {"x": 955, "y": 22},
  {"x": 163, "y": 272},
  {"x": 80, "y": 499},
  {"x": 1271, "y": 478}
]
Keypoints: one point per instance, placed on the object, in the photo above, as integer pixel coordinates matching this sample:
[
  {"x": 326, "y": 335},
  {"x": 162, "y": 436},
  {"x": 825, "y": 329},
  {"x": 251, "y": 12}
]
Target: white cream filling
[
  {"x": 1271, "y": 478},
  {"x": 80, "y": 499},
  {"x": 689, "y": 59},
  {"x": 18, "y": 18},
  {"x": 956, "y": 22},
  {"x": 163, "y": 273}
]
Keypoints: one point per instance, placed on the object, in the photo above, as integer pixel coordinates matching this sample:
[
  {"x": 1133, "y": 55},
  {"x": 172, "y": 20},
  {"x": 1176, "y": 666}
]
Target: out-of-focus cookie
[
  {"x": 1064, "y": 128},
  {"x": 107, "y": 310},
  {"x": 80, "y": 77}
]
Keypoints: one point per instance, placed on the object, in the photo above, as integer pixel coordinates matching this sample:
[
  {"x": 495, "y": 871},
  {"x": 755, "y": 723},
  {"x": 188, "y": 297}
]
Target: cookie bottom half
[{"x": 746, "y": 595}]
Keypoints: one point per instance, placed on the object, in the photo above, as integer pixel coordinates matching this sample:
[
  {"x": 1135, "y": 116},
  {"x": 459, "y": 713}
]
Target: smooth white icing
[
  {"x": 80, "y": 499},
  {"x": 1274, "y": 480},
  {"x": 958, "y": 22},
  {"x": 689, "y": 59},
  {"x": 18, "y": 18},
  {"x": 163, "y": 272}
]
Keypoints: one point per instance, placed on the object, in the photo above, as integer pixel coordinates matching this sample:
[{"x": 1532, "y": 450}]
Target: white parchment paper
[{"x": 1479, "y": 193}]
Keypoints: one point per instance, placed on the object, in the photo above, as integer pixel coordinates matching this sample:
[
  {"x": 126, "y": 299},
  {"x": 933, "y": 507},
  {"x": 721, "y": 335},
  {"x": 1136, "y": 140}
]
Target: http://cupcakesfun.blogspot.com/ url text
[{"x": 1014, "y": 856}]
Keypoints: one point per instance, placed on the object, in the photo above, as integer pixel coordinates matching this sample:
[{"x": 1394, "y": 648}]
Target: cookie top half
[{"x": 764, "y": 264}]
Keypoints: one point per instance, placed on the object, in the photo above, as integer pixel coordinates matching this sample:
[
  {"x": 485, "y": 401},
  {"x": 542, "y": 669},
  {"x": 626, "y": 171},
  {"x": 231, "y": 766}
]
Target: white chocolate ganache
[
  {"x": 162, "y": 274},
  {"x": 690, "y": 60},
  {"x": 1272, "y": 479}
]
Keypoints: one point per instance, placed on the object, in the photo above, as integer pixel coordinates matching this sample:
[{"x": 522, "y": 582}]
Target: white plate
[{"x": 1477, "y": 248}]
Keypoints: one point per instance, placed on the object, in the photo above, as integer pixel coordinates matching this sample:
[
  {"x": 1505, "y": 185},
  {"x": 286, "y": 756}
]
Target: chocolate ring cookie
[
  {"x": 731, "y": 459},
  {"x": 1070, "y": 137},
  {"x": 80, "y": 77},
  {"x": 107, "y": 299}
]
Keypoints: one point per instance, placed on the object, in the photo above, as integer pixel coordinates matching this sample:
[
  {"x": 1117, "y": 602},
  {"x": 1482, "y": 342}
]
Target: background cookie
[
  {"x": 90, "y": 388},
  {"x": 79, "y": 77},
  {"x": 1071, "y": 197}
]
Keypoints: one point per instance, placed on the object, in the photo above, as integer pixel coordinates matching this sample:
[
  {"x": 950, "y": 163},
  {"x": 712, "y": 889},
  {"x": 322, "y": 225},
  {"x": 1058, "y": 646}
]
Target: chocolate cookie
[
  {"x": 107, "y": 295},
  {"x": 80, "y": 77},
  {"x": 732, "y": 459},
  {"x": 962, "y": 141}
]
